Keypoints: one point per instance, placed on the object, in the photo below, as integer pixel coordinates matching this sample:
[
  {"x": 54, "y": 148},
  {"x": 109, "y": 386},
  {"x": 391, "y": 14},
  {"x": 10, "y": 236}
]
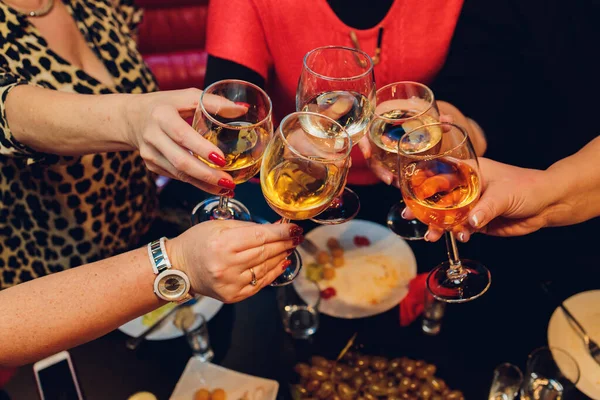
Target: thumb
[{"x": 493, "y": 203}]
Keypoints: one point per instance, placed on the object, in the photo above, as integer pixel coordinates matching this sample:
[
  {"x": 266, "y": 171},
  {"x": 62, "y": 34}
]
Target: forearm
[
  {"x": 69, "y": 124},
  {"x": 575, "y": 182},
  {"x": 66, "y": 309}
]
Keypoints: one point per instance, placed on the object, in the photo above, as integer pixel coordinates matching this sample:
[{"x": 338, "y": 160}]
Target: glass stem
[
  {"x": 222, "y": 211},
  {"x": 284, "y": 220},
  {"x": 456, "y": 272}
]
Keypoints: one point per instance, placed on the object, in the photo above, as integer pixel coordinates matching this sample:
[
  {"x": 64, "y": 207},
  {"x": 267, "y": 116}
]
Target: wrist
[
  {"x": 175, "y": 254},
  {"x": 129, "y": 106},
  {"x": 552, "y": 189}
]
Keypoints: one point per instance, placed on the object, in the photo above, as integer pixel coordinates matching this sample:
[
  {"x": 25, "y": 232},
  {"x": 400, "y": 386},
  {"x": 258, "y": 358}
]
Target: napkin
[
  {"x": 5, "y": 375},
  {"x": 414, "y": 303}
]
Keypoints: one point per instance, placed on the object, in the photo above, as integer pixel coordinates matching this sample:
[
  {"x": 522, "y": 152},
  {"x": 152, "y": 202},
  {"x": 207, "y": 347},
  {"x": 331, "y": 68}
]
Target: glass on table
[
  {"x": 440, "y": 182},
  {"x": 401, "y": 107},
  {"x": 433, "y": 313},
  {"x": 241, "y": 138},
  {"x": 299, "y": 311},
  {"x": 506, "y": 382},
  {"x": 339, "y": 82},
  {"x": 303, "y": 170},
  {"x": 198, "y": 339},
  {"x": 551, "y": 374}
]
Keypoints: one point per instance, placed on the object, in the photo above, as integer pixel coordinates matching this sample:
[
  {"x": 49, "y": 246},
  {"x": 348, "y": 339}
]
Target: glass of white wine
[
  {"x": 241, "y": 138},
  {"x": 303, "y": 169},
  {"x": 401, "y": 107},
  {"x": 339, "y": 82}
]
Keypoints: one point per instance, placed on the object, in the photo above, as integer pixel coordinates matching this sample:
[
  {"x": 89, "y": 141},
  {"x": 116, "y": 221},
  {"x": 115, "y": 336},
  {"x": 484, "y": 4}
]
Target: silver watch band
[{"x": 158, "y": 255}]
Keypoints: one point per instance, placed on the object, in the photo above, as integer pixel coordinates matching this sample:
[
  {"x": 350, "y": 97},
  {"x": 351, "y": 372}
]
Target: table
[{"x": 504, "y": 325}]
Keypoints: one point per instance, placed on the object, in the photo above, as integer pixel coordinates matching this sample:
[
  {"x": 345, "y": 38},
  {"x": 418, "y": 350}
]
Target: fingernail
[
  {"x": 289, "y": 252},
  {"x": 403, "y": 213},
  {"x": 388, "y": 180},
  {"x": 426, "y": 237},
  {"x": 217, "y": 159},
  {"x": 297, "y": 240},
  {"x": 476, "y": 219},
  {"x": 226, "y": 192},
  {"x": 241, "y": 103},
  {"x": 296, "y": 230},
  {"x": 226, "y": 183},
  {"x": 286, "y": 264},
  {"x": 461, "y": 236}
]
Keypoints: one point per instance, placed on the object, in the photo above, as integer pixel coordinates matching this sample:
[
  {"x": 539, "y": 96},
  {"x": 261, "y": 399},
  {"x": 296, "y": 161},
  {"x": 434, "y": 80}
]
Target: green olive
[
  {"x": 425, "y": 392},
  {"x": 454, "y": 395},
  {"x": 320, "y": 361},
  {"x": 409, "y": 368},
  {"x": 326, "y": 389},
  {"x": 431, "y": 369},
  {"x": 319, "y": 373},
  {"x": 394, "y": 364},
  {"x": 377, "y": 388},
  {"x": 437, "y": 384},
  {"x": 358, "y": 381},
  {"x": 414, "y": 385},
  {"x": 421, "y": 373},
  {"x": 362, "y": 361},
  {"x": 302, "y": 369},
  {"x": 399, "y": 375},
  {"x": 313, "y": 385},
  {"x": 379, "y": 363},
  {"x": 345, "y": 391},
  {"x": 420, "y": 363},
  {"x": 404, "y": 384}
]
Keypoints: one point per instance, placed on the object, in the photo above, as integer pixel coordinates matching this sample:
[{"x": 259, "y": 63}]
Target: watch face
[{"x": 172, "y": 286}]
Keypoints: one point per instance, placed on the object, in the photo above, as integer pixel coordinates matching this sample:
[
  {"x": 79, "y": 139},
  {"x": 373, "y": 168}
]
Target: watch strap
[{"x": 157, "y": 252}]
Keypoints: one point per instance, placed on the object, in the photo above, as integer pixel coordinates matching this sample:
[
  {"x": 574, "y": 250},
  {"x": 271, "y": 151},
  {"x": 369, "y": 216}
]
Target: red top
[{"x": 271, "y": 37}]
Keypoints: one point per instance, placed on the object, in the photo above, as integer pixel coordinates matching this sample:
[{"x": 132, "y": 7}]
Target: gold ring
[{"x": 253, "y": 281}]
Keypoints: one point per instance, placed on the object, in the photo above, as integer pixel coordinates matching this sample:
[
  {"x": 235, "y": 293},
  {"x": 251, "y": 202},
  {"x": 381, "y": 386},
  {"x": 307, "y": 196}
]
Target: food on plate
[
  {"x": 328, "y": 293},
  {"x": 338, "y": 261},
  {"x": 142, "y": 396},
  {"x": 314, "y": 272},
  {"x": 358, "y": 376},
  {"x": 333, "y": 243},
  {"x": 150, "y": 318},
  {"x": 323, "y": 257},
  {"x": 337, "y": 252},
  {"x": 328, "y": 273},
  {"x": 360, "y": 241},
  {"x": 205, "y": 394}
]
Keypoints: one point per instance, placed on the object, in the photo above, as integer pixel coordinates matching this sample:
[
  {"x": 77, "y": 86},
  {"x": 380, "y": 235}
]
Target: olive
[
  {"x": 358, "y": 381},
  {"x": 345, "y": 391},
  {"x": 362, "y": 361},
  {"x": 320, "y": 361},
  {"x": 367, "y": 372},
  {"x": 420, "y": 363},
  {"x": 409, "y": 368},
  {"x": 312, "y": 385},
  {"x": 404, "y": 384},
  {"x": 377, "y": 389},
  {"x": 437, "y": 397},
  {"x": 302, "y": 369},
  {"x": 454, "y": 395},
  {"x": 414, "y": 385},
  {"x": 437, "y": 384},
  {"x": 319, "y": 373},
  {"x": 425, "y": 392},
  {"x": 326, "y": 389},
  {"x": 346, "y": 372},
  {"x": 399, "y": 375},
  {"x": 356, "y": 370},
  {"x": 431, "y": 369},
  {"x": 299, "y": 391},
  {"x": 379, "y": 363},
  {"x": 421, "y": 373},
  {"x": 404, "y": 360},
  {"x": 371, "y": 379},
  {"x": 394, "y": 364},
  {"x": 392, "y": 390},
  {"x": 369, "y": 396},
  {"x": 380, "y": 375},
  {"x": 334, "y": 396}
]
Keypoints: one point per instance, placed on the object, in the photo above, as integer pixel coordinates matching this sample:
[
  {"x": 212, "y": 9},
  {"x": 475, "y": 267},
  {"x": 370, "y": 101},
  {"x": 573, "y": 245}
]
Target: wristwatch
[{"x": 169, "y": 284}]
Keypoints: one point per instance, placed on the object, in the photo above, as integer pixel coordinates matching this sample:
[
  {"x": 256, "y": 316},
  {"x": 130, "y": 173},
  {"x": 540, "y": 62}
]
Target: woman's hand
[
  {"x": 217, "y": 256},
  {"x": 156, "y": 126}
]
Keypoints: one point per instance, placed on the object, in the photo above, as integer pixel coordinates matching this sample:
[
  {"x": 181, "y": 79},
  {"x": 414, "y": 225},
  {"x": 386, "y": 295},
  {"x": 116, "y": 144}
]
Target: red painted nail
[
  {"x": 226, "y": 183},
  {"x": 289, "y": 252},
  {"x": 297, "y": 240},
  {"x": 217, "y": 159},
  {"x": 296, "y": 230},
  {"x": 241, "y": 103},
  {"x": 286, "y": 264},
  {"x": 226, "y": 192}
]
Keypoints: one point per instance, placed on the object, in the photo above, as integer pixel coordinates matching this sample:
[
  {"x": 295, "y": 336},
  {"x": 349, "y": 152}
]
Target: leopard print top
[{"x": 60, "y": 212}]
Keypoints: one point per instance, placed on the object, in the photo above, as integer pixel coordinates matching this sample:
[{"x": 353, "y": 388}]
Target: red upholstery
[{"x": 171, "y": 39}]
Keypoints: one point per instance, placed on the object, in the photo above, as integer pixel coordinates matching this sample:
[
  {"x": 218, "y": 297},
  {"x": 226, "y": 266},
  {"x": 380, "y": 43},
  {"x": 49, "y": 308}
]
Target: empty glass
[
  {"x": 300, "y": 311},
  {"x": 506, "y": 382},
  {"x": 551, "y": 375},
  {"x": 198, "y": 340},
  {"x": 433, "y": 313}
]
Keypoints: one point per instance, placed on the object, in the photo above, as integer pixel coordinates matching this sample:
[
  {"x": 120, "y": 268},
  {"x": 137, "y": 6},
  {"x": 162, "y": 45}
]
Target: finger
[
  {"x": 365, "y": 147},
  {"x": 381, "y": 172},
  {"x": 187, "y": 166},
  {"x": 162, "y": 166},
  {"x": 186, "y": 100},
  {"x": 266, "y": 251},
  {"x": 249, "y": 237},
  {"x": 407, "y": 214},
  {"x": 462, "y": 233},
  {"x": 272, "y": 269},
  {"x": 433, "y": 234},
  {"x": 446, "y": 118},
  {"x": 492, "y": 204},
  {"x": 276, "y": 271},
  {"x": 223, "y": 107}
]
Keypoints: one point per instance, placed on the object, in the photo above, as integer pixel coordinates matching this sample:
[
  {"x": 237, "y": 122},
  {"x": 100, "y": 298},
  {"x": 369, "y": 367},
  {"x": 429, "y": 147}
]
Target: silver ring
[{"x": 253, "y": 281}]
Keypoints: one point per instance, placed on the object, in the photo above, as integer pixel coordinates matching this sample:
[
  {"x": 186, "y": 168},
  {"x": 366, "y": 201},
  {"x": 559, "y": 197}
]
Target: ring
[{"x": 253, "y": 281}]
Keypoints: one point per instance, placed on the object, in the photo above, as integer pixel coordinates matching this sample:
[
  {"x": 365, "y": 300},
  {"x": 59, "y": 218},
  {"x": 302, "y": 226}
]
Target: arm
[
  {"x": 218, "y": 69},
  {"x": 42, "y": 317}
]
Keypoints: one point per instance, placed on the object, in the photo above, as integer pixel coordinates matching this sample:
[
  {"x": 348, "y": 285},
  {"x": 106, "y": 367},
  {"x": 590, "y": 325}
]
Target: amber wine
[
  {"x": 385, "y": 135},
  {"x": 299, "y": 189},
  {"x": 351, "y": 110},
  {"x": 243, "y": 149},
  {"x": 441, "y": 192}
]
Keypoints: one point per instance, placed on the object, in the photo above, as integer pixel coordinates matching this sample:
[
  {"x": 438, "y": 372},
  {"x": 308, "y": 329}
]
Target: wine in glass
[
  {"x": 303, "y": 169},
  {"x": 242, "y": 139},
  {"x": 339, "y": 82},
  {"x": 401, "y": 107},
  {"x": 441, "y": 183}
]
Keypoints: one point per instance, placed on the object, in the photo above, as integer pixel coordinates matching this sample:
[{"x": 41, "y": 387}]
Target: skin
[{"x": 63, "y": 310}]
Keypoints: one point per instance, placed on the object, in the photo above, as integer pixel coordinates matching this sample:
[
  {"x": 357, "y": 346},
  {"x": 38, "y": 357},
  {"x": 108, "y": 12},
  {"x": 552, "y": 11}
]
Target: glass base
[
  {"x": 342, "y": 209},
  {"x": 206, "y": 211},
  {"x": 407, "y": 229},
  {"x": 291, "y": 272},
  {"x": 474, "y": 281}
]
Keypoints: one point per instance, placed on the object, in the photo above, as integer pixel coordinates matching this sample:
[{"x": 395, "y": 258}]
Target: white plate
[
  {"x": 207, "y": 306},
  {"x": 585, "y": 307},
  {"x": 198, "y": 375},
  {"x": 360, "y": 291}
]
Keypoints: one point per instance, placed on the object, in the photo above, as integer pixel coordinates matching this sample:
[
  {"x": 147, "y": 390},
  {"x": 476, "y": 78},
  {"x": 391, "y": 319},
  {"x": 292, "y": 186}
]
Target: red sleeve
[{"x": 235, "y": 32}]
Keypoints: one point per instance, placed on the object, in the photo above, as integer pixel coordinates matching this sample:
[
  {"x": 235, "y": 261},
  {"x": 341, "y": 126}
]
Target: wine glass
[
  {"x": 339, "y": 82},
  {"x": 303, "y": 169},
  {"x": 401, "y": 107},
  {"x": 441, "y": 183},
  {"x": 241, "y": 138}
]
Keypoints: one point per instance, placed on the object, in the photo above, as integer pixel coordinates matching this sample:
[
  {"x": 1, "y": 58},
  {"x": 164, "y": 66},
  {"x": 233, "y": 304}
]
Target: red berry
[
  {"x": 361, "y": 241},
  {"x": 328, "y": 293}
]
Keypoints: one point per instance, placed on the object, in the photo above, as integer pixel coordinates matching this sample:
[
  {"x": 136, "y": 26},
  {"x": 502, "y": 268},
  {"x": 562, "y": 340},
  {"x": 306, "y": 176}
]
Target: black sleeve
[{"x": 218, "y": 69}]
